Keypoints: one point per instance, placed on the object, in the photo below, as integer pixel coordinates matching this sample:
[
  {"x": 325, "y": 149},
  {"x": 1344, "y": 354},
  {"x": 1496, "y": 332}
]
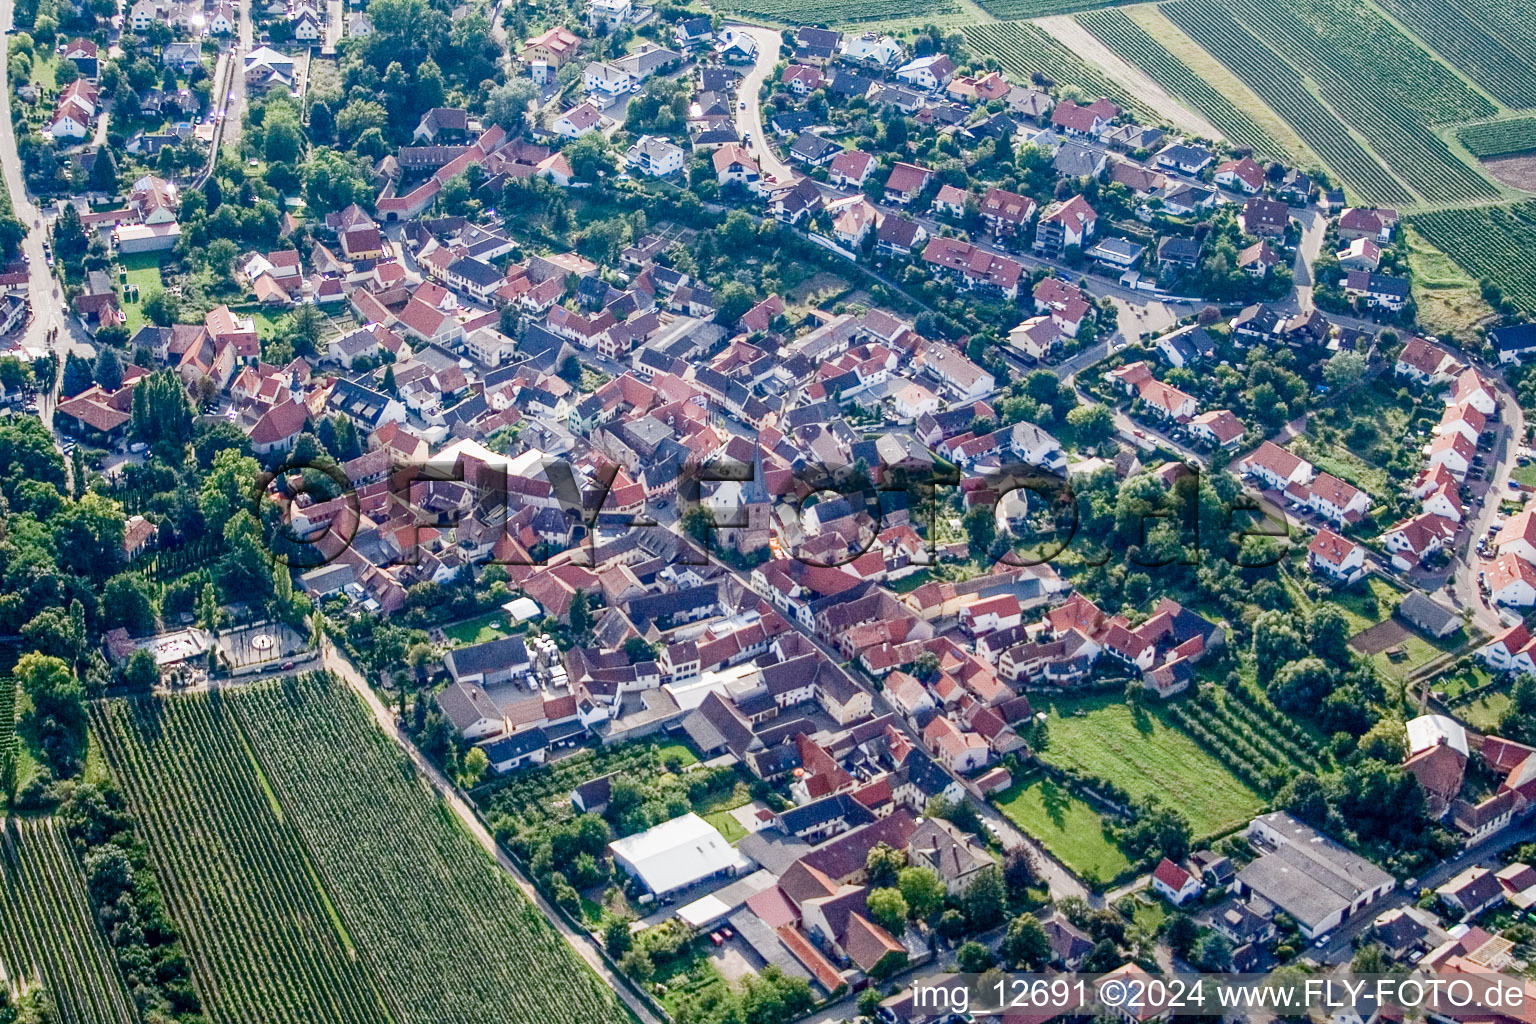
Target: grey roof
[
  {"x": 1310, "y": 876},
  {"x": 519, "y": 744},
  {"x": 474, "y": 271},
  {"x": 1428, "y": 614},
  {"x": 491, "y": 656},
  {"x": 812, "y": 816},
  {"x": 465, "y": 705}
]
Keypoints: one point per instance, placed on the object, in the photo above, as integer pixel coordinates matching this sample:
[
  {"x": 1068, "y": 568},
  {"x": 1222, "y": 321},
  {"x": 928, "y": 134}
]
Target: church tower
[{"x": 759, "y": 508}]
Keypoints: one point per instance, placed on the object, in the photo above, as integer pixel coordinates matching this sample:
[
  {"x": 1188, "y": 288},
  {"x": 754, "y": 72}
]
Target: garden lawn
[
  {"x": 478, "y": 630},
  {"x": 1352, "y": 602},
  {"x": 727, "y": 824},
  {"x": 1065, "y": 824},
  {"x": 1524, "y": 475},
  {"x": 682, "y": 751},
  {"x": 144, "y": 271},
  {"x": 1483, "y": 714},
  {"x": 1144, "y": 754},
  {"x": 266, "y": 323}
]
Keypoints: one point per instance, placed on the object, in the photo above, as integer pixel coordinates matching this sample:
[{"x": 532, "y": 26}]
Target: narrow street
[
  {"x": 48, "y": 308},
  {"x": 337, "y": 662},
  {"x": 749, "y": 121}
]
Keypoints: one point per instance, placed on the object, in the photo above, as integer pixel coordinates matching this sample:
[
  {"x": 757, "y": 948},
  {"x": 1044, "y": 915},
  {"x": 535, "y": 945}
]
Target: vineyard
[
  {"x": 262, "y": 940},
  {"x": 1499, "y": 138},
  {"x": 447, "y": 933},
  {"x": 836, "y": 12},
  {"x": 1279, "y": 85},
  {"x": 1010, "y": 10},
  {"x": 47, "y": 930},
  {"x": 374, "y": 904},
  {"x": 1492, "y": 41},
  {"x": 1132, "y": 42},
  {"x": 1025, "y": 50},
  {"x": 1380, "y": 83},
  {"x": 1493, "y": 242}
]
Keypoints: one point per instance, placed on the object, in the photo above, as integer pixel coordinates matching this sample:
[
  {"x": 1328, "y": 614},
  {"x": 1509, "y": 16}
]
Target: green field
[
  {"x": 1142, "y": 752},
  {"x": 1128, "y": 39},
  {"x": 1499, "y": 138},
  {"x": 1493, "y": 242},
  {"x": 1064, "y": 824},
  {"x": 317, "y": 878},
  {"x": 1009, "y": 10},
  {"x": 47, "y": 930}
]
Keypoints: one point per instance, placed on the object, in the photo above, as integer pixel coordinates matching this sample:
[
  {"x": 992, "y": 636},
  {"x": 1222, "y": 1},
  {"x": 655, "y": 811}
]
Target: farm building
[{"x": 676, "y": 854}]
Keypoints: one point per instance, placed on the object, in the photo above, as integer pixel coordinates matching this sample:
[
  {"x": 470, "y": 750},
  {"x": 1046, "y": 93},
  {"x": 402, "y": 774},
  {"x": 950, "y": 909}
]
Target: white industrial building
[{"x": 676, "y": 854}]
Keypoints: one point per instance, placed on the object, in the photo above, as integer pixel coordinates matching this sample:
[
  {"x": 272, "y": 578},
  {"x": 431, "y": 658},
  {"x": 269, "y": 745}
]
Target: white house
[
  {"x": 930, "y": 73},
  {"x": 609, "y": 14},
  {"x": 654, "y": 156},
  {"x": 1174, "y": 883},
  {"x": 605, "y": 80},
  {"x": 577, "y": 121},
  {"x": 872, "y": 47},
  {"x": 1275, "y": 466},
  {"x": 1334, "y": 556},
  {"x": 1511, "y": 582}
]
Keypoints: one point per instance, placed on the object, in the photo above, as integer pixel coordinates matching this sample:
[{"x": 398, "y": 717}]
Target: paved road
[
  {"x": 1313, "y": 227},
  {"x": 47, "y": 304},
  {"x": 337, "y": 662},
  {"x": 1507, "y": 440},
  {"x": 750, "y": 120}
]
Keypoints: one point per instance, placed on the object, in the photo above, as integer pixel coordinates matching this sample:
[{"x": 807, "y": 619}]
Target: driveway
[{"x": 750, "y": 120}]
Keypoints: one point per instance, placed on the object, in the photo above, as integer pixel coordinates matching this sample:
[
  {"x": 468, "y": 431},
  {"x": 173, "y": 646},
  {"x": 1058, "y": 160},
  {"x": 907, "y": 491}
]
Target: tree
[
  {"x": 58, "y": 709},
  {"x": 580, "y": 615},
  {"x": 78, "y": 373},
  {"x": 476, "y": 764},
  {"x": 104, "y": 171},
  {"x": 981, "y": 526},
  {"x": 590, "y": 157},
  {"x": 1020, "y": 874},
  {"x": 1102, "y": 958},
  {"x": 923, "y": 890},
  {"x": 508, "y": 104},
  {"x": 1094, "y": 424},
  {"x": 1212, "y": 952},
  {"x": 888, "y": 909},
  {"x": 141, "y": 673},
  {"x": 974, "y": 958},
  {"x": 126, "y": 602},
  {"x": 869, "y": 1003},
  {"x": 985, "y": 900},
  {"x": 1180, "y": 931},
  {"x": 884, "y": 864},
  {"x": 160, "y": 307},
  {"x": 1026, "y": 946},
  {"x": 616, "y": 938},
  {"x": 229, "y": 487},
  {"x": 109, "y": 370},
  {"x": 305, "y": 327},
  {"x": 1343, "y": 369},
  {"x": 638, "y": 649},
  {"x": 698, "y": 522}
]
